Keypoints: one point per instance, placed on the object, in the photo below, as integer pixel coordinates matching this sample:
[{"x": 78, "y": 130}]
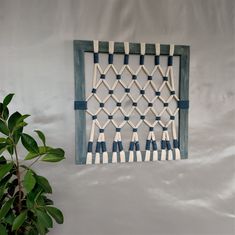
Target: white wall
[{"x": 193, "y": 197}]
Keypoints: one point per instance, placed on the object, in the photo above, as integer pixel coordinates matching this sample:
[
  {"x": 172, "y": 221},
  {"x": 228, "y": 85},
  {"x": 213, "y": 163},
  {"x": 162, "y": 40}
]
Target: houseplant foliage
[{"x": 24, "y": 204}]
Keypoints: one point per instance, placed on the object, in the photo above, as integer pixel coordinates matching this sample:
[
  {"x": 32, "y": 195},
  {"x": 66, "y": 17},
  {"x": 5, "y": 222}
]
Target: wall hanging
[{"x": 131, "y": 102}]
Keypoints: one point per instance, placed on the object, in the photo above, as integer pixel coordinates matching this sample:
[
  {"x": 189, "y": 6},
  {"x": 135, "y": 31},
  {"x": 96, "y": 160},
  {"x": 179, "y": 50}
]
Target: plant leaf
[
  {"x": 54, "y": 155},
  {"x": 7, "y": 99},
  {"x": 6, "y": 207},
  {"x": 17, "y": 134},
  {"x": 52, "y": 158},
  {"x": 2, "y": 140},
  {"x": 29, "y": 143},
  {"x": 19, "y": 220},
  {"x": 4, "y": 128},
  {"x": 43, "y": 182},
  {"x": 56, "y": 214},
  {"x": 42, "y": 150},
  {"x": 3, "y": 160},
  {"x": 41, "y": 136},
  {"x": 9, "y": 217},
  {"x": 44, "y": 218},
  {"x": 3, "y": 230},
  {"x": 4, "y": 112},
  {"x": 29, "y": 181},
  {"x": 3, "y": 147},
  {"x": 5, "y": 169},
  {"x": 13, "y": 120},
  {"x": 58, "y": 151}
]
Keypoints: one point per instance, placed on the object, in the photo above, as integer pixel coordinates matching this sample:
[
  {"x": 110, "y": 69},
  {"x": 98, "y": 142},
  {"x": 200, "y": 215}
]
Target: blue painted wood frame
[{"x": 82, "y": 46}]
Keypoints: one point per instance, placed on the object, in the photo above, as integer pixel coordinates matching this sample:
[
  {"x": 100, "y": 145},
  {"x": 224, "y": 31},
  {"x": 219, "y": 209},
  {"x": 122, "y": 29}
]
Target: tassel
[
  {"x": 114, "y": 157},
  {"x": 131, "y": 156},
  {"x": 105, "y": 157},
  {"x": 89, "y": 158},
  {"x": 147, "y": 156},
  {"x": 97, "y": 158},
  {"x": 155, "y": 155},
  {"x": 122, "y": 156},
  {"x": 170, "y": 155},
  {"x": 177, "y": 154},
  {"x": 163, "y": 155},
  {"x": 138, "y": 156}
]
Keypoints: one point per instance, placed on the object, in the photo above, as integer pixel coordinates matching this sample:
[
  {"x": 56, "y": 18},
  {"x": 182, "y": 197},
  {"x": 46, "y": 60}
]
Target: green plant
[{"x": 24, "y": 205}]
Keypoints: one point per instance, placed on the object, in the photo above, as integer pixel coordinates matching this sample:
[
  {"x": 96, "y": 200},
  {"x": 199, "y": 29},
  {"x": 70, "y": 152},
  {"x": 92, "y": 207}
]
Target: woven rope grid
[{"x": 169, "y": 146}]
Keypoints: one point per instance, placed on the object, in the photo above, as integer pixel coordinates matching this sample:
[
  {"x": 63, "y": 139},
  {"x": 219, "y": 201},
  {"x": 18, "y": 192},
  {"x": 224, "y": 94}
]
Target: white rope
[
  {"x": 157, "y": 49},
  {"x": 126, "y": 48},
  {"x": 111, "y": 47},
  {"x": 142, "y": 48},
  {"x": 96, "y": 46},
  {"x": 172, "y": 48}
]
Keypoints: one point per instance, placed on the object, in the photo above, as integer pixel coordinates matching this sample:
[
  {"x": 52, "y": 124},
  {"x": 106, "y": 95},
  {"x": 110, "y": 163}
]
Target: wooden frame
[{"x": 82, "y": 46}]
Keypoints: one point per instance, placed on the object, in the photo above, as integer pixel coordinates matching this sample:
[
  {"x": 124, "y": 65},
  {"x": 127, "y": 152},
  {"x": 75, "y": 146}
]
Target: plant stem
[{"x": 18, "y": 178}]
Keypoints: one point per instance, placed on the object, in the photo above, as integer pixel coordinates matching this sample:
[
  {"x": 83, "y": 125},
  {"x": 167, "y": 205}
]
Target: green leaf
[
  {"x": 6, "y": 207},
  {"x": 17, "y": 135},
  {"x": 54, "y": 155},
  {"x": 19, "y": 220},
  {"x": 51, "y": 158},
  {"x": 56, "y": 214},
  {"x": 2, "y": 140},
  {"x": 29, "y": 143},
  {"x": 4, "y": 112},
  {"x": 42, "y": 151},
  {"x": 44, "y": 218},
  {"x": 3, "y": 230},
  {"x": 30, "y": 156},
  {"x": 45, "y": 185},
  {"x": 41, "y": 229},
  {"x": 10, "y": 149},
  {"x": 4, "y": 128},
  {"x": 7, "y": 99},
  {"x": 10, "y": 217},
  {"x": 3, "y": 160},
  {"x": 13, "y": 120},
  {"x": 32, "y": 231},
  {"x": 29, "y": 181},
  {"x": 41, "y": 136},
  {"x": 58, "y": 152},
  {"x": 5, "y": 169},
  {"x": 3, "y": 147}
]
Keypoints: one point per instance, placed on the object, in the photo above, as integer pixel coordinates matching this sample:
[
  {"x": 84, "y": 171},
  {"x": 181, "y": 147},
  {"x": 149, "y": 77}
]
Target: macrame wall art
[{"x": 126, "y": 112}]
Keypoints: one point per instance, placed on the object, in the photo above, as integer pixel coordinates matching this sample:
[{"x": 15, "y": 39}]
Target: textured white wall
[{"x": 193, "y": 197}]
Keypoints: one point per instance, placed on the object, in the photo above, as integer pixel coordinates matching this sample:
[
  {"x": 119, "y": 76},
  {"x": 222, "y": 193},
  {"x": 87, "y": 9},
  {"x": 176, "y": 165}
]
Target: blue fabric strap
[
  {"x": 175, "y": 143},
  {"x": 131, "y": 148},
  {"x": 157, "y": 60},
  {"x": 163, "y": 144},
  {"x": 120, "y": 147},
  {"x": 141, "y": 59},
  {"x": 103, "y": 146},
  {"x": 114, "y": 146},
  {"x": 168, "y": 145},
  {"x": 154, "y": 143},
  {"x": 170, "y": 60},
  {"x": 98, "y": 146},
  {"x": 110, "y": 59},
  {"x": 147, "y": 146},
  {"x": 137, "y": 146},
  {"x": 96, "y": 58},
  {"x": 80, "y": 105},
  {"x": 126, "y": 59},
  {"x": 183, "y": 104},
  {"x": 89, "y": 148}
]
